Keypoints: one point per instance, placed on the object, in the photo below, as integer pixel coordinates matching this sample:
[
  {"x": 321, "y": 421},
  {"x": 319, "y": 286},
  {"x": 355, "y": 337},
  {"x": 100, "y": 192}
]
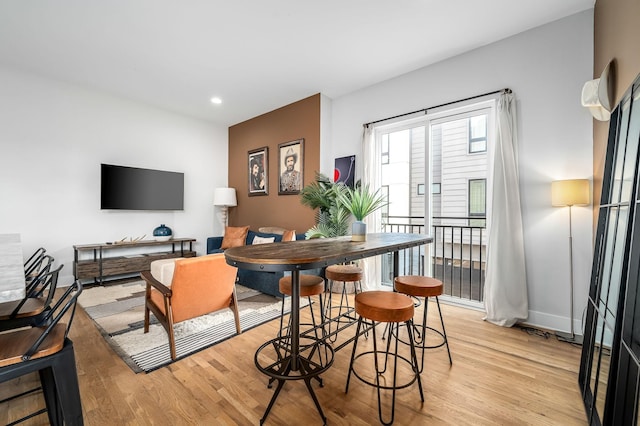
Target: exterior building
[{"x": 456, "y": 154}]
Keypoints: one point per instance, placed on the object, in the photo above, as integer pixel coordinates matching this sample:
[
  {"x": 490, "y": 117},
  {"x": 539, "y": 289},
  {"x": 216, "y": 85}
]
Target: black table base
[{"x": 274, "y": 358}]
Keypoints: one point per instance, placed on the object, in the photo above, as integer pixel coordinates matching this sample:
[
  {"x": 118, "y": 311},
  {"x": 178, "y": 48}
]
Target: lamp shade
[
  {"x": 225, "y": 197},
  {"x": 569, "y": 192}
]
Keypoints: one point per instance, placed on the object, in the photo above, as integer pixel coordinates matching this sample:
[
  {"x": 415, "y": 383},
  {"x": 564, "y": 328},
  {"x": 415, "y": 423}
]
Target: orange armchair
[{"x": 200, "y": 285}]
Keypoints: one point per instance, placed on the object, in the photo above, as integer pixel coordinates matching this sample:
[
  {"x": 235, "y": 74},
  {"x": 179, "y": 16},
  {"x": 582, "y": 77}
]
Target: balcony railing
[{"x": 457, "y": 255}]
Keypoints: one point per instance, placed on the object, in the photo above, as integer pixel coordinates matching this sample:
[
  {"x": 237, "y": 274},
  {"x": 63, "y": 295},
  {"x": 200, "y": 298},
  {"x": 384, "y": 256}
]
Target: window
[
  {"x": 477, "y": 197},
  {"x": 385, "y": 149},
  {"x": 421, "y": 189},
  {"x": 478, "y": 133},
  {"x": 384, "y": 190},
  {"x": 435, "y": 188}
]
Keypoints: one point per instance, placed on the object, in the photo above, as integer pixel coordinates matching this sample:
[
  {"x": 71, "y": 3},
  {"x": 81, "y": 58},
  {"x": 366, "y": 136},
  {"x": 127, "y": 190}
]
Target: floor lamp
[
  {"x": 569, "y": 193},
  {"x": 225, "y": 198}
]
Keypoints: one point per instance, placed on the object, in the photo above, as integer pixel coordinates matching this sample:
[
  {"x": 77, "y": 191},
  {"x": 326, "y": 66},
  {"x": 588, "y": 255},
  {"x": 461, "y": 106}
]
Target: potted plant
[
  {"x": 360, "y": 202},
  {"x": 332, "y": 217}
]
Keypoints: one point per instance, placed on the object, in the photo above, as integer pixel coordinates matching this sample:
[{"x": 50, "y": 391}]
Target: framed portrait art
[
  {"x": 290, "y": 167},
  {"x": 258, "y": 171}
]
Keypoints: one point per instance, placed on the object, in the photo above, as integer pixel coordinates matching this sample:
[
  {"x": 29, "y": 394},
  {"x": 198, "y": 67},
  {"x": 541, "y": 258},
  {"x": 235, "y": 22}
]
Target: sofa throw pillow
[
  {"x": 234, "y": 236},
  {"x": 289, "y": 236},
  {"x": 262, "y": 240}
]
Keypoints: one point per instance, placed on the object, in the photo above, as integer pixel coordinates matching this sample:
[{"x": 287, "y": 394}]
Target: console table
[
  {"x": 297, "y": 363},
  {"x": 105, "y": 262}
]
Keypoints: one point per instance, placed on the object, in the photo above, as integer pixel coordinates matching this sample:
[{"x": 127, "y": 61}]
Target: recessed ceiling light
[{"x": 216, "y": 100}]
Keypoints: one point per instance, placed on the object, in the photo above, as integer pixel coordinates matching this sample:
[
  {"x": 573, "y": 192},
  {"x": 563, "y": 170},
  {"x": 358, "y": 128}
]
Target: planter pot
[{"x": 358, "y": 231}]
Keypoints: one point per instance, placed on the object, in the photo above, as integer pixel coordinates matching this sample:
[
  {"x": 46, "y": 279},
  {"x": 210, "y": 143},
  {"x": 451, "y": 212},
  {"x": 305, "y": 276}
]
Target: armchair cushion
[
  {"x": 162, "y": 270},
  {"x": 234, "y": 236}
]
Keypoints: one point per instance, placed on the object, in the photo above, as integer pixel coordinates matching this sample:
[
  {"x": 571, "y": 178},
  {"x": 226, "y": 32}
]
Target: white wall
[
  {"x": 53, "y": 137},
  {"x": 546, "y": 68}
]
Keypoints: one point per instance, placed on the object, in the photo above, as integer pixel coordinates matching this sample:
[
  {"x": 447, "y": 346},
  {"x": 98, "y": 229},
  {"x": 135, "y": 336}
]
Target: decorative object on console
[
  {"x": 225, "y": 197},
  {"x": 570, "y": 193},
  {"x": 290, "y": 167},
  {"x": 597, "y": 95},
  {"x": 259, "y": 171},
  {"x": 131, "y": 240},
  {"x": 162, "y": 233}
]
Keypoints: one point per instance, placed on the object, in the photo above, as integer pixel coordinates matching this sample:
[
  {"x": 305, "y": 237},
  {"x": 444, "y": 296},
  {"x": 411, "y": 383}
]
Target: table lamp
[
  {"x": 225, "y": 197},
  {"x": 569, "y": 193}
]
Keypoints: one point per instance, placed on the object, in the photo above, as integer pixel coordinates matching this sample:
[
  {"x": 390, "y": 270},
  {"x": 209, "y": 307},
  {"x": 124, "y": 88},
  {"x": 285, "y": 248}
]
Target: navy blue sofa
[{"x": 265, "y": 282}]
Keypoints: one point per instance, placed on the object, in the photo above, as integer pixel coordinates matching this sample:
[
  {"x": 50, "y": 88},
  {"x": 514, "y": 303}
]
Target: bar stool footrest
[
  {"x": 274, "y": 359},
  {"x": 419, "y": 339},
  {"x": 389, "y": 355}
]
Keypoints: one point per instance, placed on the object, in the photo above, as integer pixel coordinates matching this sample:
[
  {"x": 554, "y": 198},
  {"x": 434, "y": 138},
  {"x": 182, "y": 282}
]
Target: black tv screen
[{"x": 131, "y": 188}]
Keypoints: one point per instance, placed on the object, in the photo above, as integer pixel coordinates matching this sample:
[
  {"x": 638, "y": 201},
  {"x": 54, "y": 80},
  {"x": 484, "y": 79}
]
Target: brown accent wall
[
  {"x": 299, "y": 120},
  {"x": 616, "y": 36}
]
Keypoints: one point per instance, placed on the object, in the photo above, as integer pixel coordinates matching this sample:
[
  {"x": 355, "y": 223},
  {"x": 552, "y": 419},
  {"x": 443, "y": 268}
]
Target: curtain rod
[{"x": 505, "y": 90}]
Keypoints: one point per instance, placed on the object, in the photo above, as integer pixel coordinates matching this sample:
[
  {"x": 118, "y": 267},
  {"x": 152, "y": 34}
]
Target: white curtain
[
  {"x": 371, "y": 266},
  {"x": 505, "y": 292}
]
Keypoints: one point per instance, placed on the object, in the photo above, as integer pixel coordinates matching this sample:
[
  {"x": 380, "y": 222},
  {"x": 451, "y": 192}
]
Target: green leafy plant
[
  {"x": 361, "y": 201},
  {"x": 332, "y": 217},
  {"x": 335, "y": 203}
]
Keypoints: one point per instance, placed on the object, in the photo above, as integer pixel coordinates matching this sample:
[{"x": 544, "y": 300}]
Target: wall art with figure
[
  {"x": 258, "y": 171},
  {"x": 290, "y": 167}
]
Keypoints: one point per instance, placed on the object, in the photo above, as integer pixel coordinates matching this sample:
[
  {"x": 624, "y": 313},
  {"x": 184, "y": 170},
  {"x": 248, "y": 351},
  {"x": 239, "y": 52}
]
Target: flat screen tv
[{"x": 132, "y": 188}]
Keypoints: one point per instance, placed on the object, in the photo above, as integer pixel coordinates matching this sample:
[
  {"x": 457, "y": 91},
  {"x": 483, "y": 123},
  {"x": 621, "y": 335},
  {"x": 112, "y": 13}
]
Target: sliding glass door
[{"x": 435, "y": 172}]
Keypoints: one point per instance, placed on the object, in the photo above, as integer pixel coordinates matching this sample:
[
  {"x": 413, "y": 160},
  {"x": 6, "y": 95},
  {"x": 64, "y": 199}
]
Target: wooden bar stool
[
  {"x": 345, "y": 274},
  {"x": 393, "y": 309},
  {"x": 310, "y": 285},
  {"x": 425, "y": 287}
]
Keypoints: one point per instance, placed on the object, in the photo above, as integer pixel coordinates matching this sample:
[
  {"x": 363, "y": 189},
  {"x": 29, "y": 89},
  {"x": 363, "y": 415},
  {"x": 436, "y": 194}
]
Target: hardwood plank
[{"x": 499, "y": 376}]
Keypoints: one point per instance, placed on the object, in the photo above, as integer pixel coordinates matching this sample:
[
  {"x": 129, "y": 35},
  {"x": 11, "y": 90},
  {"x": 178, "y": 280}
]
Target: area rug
[{"x": 118, "y": 312}]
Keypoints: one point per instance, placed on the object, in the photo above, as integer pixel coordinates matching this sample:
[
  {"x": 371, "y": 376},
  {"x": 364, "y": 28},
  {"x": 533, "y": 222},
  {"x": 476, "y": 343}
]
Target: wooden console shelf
[{"x": 103, "y": 264}]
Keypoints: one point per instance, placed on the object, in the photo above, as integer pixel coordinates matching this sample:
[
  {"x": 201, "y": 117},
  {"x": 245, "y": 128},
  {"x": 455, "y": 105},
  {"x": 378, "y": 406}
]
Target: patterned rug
[{"x": 118, "y": 312}]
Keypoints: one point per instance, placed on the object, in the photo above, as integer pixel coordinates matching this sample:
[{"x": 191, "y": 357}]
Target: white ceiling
[{"x": 257, "y": 55}]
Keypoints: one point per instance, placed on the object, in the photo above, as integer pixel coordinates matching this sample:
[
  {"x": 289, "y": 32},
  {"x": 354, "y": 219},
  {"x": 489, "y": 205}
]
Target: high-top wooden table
[{"x": 295, "y": 256}]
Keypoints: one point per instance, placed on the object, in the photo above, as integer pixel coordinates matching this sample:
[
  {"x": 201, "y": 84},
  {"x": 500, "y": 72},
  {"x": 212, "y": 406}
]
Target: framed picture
[
  {"x": 258, "y": 171},
  {"x": 290, "y": 167},
  {"x": 345, "y": 170}
]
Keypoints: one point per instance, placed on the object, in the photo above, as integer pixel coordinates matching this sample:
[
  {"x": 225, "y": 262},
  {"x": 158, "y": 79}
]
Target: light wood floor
[{"x": 500, "y": 376}]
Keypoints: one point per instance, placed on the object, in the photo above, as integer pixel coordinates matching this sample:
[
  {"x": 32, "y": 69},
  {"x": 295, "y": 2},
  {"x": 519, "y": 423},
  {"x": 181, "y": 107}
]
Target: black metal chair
[
  {"x": 33, "y": 308},
  {"x": 32, "y": 265},
  {"x": 34, "y": 281},
  {"x": 48, "y": 351}
]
